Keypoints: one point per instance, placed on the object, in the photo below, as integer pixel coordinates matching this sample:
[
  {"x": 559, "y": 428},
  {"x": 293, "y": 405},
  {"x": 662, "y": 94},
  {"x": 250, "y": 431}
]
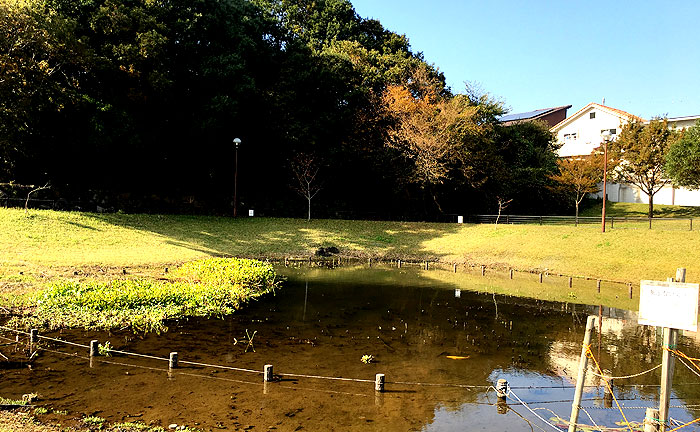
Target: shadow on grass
[{"x": 271, "y": 237}]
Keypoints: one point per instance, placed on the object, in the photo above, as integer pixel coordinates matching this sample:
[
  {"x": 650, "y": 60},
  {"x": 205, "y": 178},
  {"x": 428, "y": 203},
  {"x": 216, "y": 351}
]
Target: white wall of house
[
  {"x": 583, "y": 134},
  {"x": 580, "y": 134}
]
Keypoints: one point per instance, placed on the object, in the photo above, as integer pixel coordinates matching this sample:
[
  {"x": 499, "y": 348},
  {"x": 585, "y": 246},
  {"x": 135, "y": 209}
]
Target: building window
[
  {"x": 592, "y": 115},
  {"x": 569, "y": 136},
  {"x": 612, "y": 131}
]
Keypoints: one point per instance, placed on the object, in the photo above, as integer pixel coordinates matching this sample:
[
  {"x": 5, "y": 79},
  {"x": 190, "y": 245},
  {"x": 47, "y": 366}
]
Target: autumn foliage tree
[
  {"x": 428, "y": 127},
  {"x": 578, "y": 177}
]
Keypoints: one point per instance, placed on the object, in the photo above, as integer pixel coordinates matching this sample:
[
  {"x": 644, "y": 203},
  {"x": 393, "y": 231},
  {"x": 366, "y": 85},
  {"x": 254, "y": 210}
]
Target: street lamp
[
  {"x": 236, "y": 141},
  {"x": 607, "y": 136}
]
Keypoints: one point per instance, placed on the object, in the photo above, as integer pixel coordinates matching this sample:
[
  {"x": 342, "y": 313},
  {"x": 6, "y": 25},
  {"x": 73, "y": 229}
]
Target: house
[
  {"x": 550, "y": 116},
  {"x": 683, "y": 122},
  {"x": 581, "y": 133}
]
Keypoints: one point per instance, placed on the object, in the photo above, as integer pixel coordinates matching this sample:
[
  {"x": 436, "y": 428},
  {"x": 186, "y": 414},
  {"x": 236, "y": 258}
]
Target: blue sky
[{"x": 641, "y": 56}]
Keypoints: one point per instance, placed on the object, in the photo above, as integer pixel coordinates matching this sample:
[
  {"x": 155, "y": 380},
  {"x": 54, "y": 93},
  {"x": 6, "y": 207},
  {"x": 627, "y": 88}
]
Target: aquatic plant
[
  {"x": 104, "y": 350},
  {"x": 209, "y": 287}
]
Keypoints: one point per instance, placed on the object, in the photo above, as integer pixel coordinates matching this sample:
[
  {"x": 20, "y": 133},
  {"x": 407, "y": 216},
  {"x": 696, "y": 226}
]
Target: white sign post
[
  {"x": 669, "y": 304},
  {"x": 673, "y": 306}
]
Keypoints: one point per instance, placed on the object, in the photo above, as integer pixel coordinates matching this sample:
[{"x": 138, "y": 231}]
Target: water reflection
[{"x": 323, "y": 321}]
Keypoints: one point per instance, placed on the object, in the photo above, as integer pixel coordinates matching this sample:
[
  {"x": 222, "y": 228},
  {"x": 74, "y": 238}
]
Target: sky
[{"x": 642, "y": 56}]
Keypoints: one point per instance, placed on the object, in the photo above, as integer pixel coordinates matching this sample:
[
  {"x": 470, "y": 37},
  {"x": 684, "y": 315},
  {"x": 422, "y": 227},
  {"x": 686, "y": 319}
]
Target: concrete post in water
[
  {"x": 483, "y": 270},
  {"x": 651, "y": 420},
  {"x": 454, "y": 268},
  {"x": 502, "y": 389},
  {"x": 172, "y": 363},
  {"x": 629, "y": 287},
  {"x": 580, "y": 380},
  {"x": 608, "y": 390},
  {"x": 458, "y": 293},
  {"x": 379, "y": 382},
  {"x": 369, "y": 262},
  {"x": 33, "y": 336},
  {"x": 398, "y": 263},
  {"x": 597, "y": 285},
  {"x": 267, "y": 376},
  {"x": 426, "y": 265},
  {"x": 94, "y": 348},
  {"x": 571, "y": 282},
  {"x": 511, "y": 273},
  {"x": 286, "y": 262},
  {"x": 541, "y": 276}
]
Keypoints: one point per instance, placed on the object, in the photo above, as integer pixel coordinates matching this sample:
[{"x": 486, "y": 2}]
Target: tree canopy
[
  {"x": 640, "y": 151},
  {"x": 683, "y": 159},
  {"x": 134, "y": 104}
]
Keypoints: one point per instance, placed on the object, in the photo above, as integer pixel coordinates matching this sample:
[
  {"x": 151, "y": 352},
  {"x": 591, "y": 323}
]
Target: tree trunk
[
  {"x": 308, "y": 219},
  {"x": 577, "y": 212},
  {"x": 651, "y": 206}
]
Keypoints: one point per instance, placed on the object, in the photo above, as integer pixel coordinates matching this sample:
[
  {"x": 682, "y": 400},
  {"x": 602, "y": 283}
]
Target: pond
[{"x": 441, "y": 347}]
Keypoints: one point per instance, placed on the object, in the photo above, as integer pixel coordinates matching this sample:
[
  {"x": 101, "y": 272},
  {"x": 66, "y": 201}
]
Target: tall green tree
[
  {"x": 683, "y": 159},
  {"x": 640, "y": 152}
]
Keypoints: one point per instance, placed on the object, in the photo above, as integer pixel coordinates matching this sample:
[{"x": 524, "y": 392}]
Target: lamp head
[{"x": 236, "y": 141}]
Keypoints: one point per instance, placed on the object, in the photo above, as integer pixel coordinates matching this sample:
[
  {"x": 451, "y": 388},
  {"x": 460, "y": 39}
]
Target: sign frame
[{"x": 669, "y": 304}]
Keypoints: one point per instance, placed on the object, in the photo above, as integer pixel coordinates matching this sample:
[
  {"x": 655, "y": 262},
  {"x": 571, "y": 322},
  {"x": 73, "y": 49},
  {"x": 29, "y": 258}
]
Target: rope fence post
[
  {"x": 597, "y": 285},
  {"x": 541, "y": 277},
  {"x": 172, "y": 361},
  {"x": 268, "y": 375},
  {"x": 483, "y": 270},
  {"x": 651, "y": 420},
  {"x": 502, "y": 393},
  {"x": 580, "y": 380},
  {"x": 94, "y": 348},
  {"x": 379, "y": 380}
]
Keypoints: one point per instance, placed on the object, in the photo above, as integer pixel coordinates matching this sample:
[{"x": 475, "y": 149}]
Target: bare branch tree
[
  {"x": 305, "y": 169},
  {"x": 36, "y": 189},
  {"x": 502, "y": 204}
]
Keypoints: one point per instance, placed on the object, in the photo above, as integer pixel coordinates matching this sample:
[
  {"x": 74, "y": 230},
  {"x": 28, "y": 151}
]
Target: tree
[
  {"x": 578, "y": 177},
  {"x": 683, "y": 159},
  {"x": 305, "y": 168},
  {"x": 430, "y": 128},
  {"x": 640, "y": 153},
  {"x": 518, "y": 163}
]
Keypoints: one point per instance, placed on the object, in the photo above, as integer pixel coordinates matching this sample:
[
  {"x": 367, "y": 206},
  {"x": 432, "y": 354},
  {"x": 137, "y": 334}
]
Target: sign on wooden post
[{"x": 669, "y": 304}]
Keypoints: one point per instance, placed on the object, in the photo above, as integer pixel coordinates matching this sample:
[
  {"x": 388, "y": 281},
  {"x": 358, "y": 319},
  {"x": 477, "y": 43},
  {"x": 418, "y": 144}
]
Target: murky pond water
[{"x": 439, "y": 345}]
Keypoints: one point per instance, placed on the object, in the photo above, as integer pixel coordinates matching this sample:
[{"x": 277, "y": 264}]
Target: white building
[{"x": 581, "y": 133}]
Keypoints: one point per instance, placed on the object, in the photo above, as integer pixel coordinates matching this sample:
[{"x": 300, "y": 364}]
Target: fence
[{"x": 612, "y": 222}]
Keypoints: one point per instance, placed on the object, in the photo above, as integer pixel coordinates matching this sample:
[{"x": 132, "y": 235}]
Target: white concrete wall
[{"x": 667, "y": 195}]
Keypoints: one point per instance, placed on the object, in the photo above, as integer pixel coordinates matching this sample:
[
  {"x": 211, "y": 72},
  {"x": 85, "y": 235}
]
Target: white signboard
[{"x": 669, "y": 304}]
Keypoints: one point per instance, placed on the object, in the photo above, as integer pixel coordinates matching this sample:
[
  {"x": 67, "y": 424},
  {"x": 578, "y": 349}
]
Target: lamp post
[
  {"x": 236, "y": 142},
  {"x": 606, "y": 138}
]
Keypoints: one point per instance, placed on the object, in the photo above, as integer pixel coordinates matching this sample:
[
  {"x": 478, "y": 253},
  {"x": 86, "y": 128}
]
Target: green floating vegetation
[{"x": 208, "y": 287}]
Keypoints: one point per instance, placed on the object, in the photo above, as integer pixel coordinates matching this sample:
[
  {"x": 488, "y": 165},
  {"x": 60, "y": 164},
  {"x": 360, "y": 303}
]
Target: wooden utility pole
[
  {"x": 580, "y": 380},
  {"x": 667, "y": 365}
]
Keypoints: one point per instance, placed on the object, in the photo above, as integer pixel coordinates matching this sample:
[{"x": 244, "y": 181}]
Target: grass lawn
[
  {"x": 51, "y": 244},
  {"x": 641, "y": 210}
]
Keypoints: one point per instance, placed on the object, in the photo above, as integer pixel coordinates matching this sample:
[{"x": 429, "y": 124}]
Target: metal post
[
  {"x": 580, "y": 380},
  {"x": 605, "y": 180}
]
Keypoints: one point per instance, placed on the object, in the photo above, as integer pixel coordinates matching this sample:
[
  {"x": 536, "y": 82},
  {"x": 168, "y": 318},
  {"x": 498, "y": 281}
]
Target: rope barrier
[
  {"x": 328, "y": 378},
  {"x": 220, "y": 367},
  {"x": 590, "y": 354},
  {"x": 466, "y": 386},
  {"x": 510, "y": 392},
  {"x": 627, "y": 376},
  {"x": 64, "y": 341}
]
